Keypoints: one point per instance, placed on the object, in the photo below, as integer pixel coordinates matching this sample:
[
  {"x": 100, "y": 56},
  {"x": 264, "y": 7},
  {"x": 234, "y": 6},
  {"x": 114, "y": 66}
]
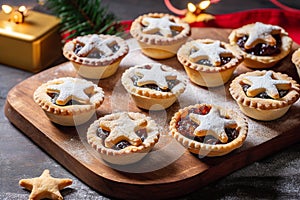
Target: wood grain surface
[{"x": 169, "y": 170}]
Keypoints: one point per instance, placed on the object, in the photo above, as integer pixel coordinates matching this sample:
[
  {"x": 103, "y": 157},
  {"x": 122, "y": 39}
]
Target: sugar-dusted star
[
  {"x": 259, "y": 33},
  {"x": 212, "y": 124},
  {"x": 211, "y": 51},
  {"x": 71, "y": 89},
  {"x": 159, "y": 25},
  {"x": 123, "y": 128},
  {"x": 45, "y": 186},
  {"x": 95, "y": 42},
  {"x": 265, "y": 83},
  {"x": 154, "y": 75}
]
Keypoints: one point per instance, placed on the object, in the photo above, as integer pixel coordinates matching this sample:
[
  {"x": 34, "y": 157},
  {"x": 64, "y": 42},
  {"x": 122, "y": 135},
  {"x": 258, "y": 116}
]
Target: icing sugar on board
[{"x": 169, "y": 170}]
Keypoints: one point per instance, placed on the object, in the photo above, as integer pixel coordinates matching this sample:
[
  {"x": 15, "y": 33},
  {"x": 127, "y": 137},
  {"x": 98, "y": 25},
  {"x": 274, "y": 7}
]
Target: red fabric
[{"x": 288, "y": 20}]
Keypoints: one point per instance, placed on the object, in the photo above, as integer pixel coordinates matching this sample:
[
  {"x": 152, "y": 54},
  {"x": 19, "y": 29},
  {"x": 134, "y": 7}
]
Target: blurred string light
[{"x": 193, "y": 12}]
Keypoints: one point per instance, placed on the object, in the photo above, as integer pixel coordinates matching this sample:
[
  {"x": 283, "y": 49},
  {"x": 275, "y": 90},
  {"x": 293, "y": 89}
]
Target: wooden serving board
[{"x": 169, "y": 170}]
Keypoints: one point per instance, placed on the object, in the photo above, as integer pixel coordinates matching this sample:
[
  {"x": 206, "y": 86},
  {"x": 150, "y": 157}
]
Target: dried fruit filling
[
  {"x": 261, "y": 49},
  {"x": 95, "y": 53},
  {"x": 186, "y": 127},
  {"x": 171, "y": 84},
  {"x": 103, "y": 134},
  {"x": 224, "y": 60},
  {"x": 54, "y": 97},
  {"x": 263, "y": 95}
]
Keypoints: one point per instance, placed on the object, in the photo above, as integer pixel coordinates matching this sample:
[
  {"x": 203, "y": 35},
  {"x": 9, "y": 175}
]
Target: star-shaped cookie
[
  {"x": 71, "y": 89},
  {"x": 45, "y": 186},
  {"x": 159, "y": 25},
  {"x": 212, "y": 124},
  {"x": 259, "y": 33},
  {"x": 265, "y": 83},
  {"x": 95, "y": 42},
  {"x": 154, "y": 75},
  {"x": 123, "y": 128},
  {"x": 211, "y": 51}
]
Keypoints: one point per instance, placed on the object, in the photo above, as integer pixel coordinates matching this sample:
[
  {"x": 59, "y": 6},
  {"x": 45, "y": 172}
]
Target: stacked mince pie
[{"x": 205, "y": 129}]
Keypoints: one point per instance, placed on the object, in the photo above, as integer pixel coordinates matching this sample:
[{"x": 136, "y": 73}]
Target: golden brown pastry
[
  {"x": 296, "y": 60},
  {"x": 160, "y": 35},
  {"x": 262, "y": 45},
  {"x": 208, "y": 62},
  {"x": 264, "y": 95},
  {"x": 123, "y": 138},
  {"x": 45, "y": 186},
  {"x": 96, "y": 56},
  {"x": 153, "y": 86},
  {"x": 69, "y": 101},
  {"x": 208, "y": 130}
]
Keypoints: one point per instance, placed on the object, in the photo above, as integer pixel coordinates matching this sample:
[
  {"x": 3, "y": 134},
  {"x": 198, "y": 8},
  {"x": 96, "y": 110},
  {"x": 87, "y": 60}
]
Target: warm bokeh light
[
  {"x": 7, "y": 9},
  {"x": 204, "y": 4}
]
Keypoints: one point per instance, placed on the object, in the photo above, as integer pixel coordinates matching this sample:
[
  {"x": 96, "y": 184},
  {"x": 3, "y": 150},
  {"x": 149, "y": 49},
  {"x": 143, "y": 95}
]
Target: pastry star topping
[
  {"x": 265, "y": 83},
  {"x": 94, "y": 42},
  {"x": 45, "y": 186},
  {"x": 212, "y": 124},
  {"x": 211, "y": 51},
  {"x": 123, "y": 128},
  {"x": 259, "y": 33},
  {"x": 159, "y": 25},
  {"x": 71, "y": 89},
  {"x": 154, "y": 75}
]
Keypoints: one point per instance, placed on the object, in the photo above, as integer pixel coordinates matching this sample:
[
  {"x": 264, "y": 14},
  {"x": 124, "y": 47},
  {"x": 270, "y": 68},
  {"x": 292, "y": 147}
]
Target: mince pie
[
  {"x": 209, "y": 62},
  {"x": 262, "y": 45},
  {"x": 160, "y": 35},
  {"x": 123, "y": 138},
  {"x": 153, "y": 86},
  {"x": 69, "y": 101},
  {"x": 264, "y": 95},
  {"x": 209, "y": 130},
  {"x": 96, "y": 56},
  {"x": 296, "y": 60}
]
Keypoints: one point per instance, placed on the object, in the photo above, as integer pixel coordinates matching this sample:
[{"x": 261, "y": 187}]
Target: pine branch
[{"x": 82, "y": 17}]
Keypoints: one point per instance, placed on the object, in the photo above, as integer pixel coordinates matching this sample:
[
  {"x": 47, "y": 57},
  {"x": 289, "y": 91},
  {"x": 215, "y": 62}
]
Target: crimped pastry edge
[
  {"x": 135, "y": 31},
  {"x": 239, "y": 95},
  {"x": 184, "y": 52},
  {"x": 44, "y": 101},
  {"x": 97, "y": 143},
  {"x": 285, "y": 48},
  {"x": 68, "y": 52},
  {"x": 128, "y": 84},
  {"x": 212, "y": 150}
]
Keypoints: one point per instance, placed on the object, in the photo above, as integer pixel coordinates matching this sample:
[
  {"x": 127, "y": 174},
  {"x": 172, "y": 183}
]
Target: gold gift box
[{"x": 32, "y": 45}]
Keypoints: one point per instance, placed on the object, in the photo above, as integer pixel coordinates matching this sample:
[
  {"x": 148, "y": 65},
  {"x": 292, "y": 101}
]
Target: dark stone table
[{"x": 275, "y": 177}]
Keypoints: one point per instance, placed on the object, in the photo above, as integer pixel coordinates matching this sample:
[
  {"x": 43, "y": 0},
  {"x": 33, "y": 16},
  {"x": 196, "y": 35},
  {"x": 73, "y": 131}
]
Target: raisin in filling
[
  {"x": 224, "y": 60},
  {"x": 186, "y": 127},
  {"x": 103, "y": 134},
  {"x": 171, "y": 84},
  {"x": 261, "y": 49},
  {"x": 264, "y": 95},
  {"x": 95, "y": 53},
  {"x": 54, "y": 97}
]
